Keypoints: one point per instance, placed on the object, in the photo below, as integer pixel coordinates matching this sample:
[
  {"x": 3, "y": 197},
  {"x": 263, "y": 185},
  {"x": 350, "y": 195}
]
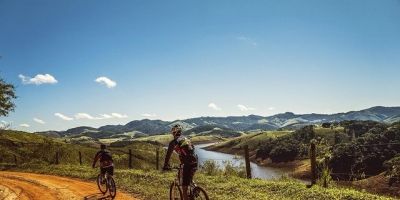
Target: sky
[{"x": 99, "y": 62}]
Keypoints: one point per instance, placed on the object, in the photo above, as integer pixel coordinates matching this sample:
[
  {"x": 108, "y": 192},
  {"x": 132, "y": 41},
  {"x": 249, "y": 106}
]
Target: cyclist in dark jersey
[
  {"x": 106, "y": 161},
  {"x": 187, "y": 157}
]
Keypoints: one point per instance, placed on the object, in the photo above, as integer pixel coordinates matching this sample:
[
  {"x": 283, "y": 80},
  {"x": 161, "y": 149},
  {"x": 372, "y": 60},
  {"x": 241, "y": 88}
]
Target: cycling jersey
[
  {"x": 184, "y": 148},
  {"x": 105, "y": 158}
]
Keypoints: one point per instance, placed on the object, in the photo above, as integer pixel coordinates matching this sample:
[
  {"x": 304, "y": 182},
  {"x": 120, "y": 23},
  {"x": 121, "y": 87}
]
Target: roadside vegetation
[{"x": 152, "y": 184}]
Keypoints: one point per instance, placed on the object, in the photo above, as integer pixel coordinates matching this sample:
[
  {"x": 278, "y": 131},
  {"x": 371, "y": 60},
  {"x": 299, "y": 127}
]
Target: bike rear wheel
[
  {"x": 175, "y": 192},
  {"x": 112, "y": 188},
  {"x": 101, "y": 183},
  {"x": 199, "y": 193}
]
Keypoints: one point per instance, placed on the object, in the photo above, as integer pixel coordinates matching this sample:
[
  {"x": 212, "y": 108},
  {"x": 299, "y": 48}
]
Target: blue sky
[{"x": 182, "y": 59}]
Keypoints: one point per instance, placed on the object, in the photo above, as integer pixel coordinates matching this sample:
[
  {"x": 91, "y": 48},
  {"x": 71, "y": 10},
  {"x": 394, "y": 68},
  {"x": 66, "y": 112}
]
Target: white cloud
[
  {"x": 106, "y": 81},
  {"x": 39, "y": 120},
  {"x": 84, "y": 116},
  {"x": 106, "y": 116},
  {"x": 149, "y": 115},
  {"x": 38, "y": 79},
  {"x": 214, "y": 106},
  {"x": 102, "y": 116},
  {"x": 247, "y": 40},
  {"x": 24, "y": 125},
  {"x": 117, "y": 115},
  {"x": 63, "y": 117},
  {"x": 244, "y": 108}
]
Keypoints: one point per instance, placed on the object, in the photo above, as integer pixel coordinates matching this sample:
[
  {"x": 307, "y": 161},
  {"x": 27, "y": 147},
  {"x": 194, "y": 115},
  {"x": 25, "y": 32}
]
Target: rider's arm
[
  {"x": 96, "y": 157},
  {"x": 169, "y": 153}
]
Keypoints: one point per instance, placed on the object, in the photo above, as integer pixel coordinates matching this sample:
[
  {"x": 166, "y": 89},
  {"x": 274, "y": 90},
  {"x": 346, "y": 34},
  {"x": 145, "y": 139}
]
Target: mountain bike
[
  {"x": 195, "y": 192},
  {"x": 106, "y": 183}
]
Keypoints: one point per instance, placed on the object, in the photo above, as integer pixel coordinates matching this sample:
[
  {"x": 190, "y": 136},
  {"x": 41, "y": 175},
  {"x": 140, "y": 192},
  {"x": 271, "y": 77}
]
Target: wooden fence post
[
  {"x": 57, "y": 158},
  {"x": 247, "y": 160},
  {"x": 80, "y": 158},
  {"x": 130, "y": 159},
  {"x": 157, "y": 158},
  {"x": 326, "y": 162},
  {"x": 15, "y": 160},
  {"x": 313, "y": 160}
]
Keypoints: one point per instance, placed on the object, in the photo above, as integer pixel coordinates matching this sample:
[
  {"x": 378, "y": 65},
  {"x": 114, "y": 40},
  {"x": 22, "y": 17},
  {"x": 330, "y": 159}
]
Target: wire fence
[
  {"x": 123, "y": 158},
  {"x": 27, "y": 153},
  {"x": 130, "y": 158}
]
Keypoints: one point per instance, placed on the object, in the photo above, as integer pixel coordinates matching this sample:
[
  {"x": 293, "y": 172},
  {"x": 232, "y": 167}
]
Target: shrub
[{"x": 210, "y": 167}]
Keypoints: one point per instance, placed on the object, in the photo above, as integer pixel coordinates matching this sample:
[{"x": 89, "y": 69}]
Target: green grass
[
  {"x": 253, "y": 140},
  {"x": 34, "y": 148},
  {"x": 151, "y": 184},
  {"x": 163, "y": 139},
  {"x": 202, "y": 139}
]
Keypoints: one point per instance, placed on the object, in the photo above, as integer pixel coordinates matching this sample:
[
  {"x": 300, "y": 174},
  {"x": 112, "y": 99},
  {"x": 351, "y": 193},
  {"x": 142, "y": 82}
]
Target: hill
[
  {"x": 31, "y": 148},
  {"x": 231, "y": 126},
  {"x": 253, "y": 140}
]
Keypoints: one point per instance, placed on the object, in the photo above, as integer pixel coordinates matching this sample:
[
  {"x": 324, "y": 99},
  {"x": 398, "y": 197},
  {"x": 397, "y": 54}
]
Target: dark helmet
[
  {"x": 103, "y": 146},
  {"x": 176, "y": 130}
]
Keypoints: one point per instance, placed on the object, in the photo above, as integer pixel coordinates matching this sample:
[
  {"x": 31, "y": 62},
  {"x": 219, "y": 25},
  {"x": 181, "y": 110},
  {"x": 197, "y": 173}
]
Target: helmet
[
  {"x": 103, "y": 146},
  {"x": 176, "y": 130}
]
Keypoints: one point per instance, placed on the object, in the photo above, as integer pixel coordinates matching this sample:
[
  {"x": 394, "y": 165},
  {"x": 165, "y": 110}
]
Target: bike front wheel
[
  {"x": 199, "y": 193},
  {"x": 112, "y": 188},
  {"x": 175, "y": 192},
  {"x": 101, "y": 183}
]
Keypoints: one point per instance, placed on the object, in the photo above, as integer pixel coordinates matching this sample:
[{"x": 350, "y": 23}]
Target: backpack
[
  {"x": 186, "y": 151},
  {"x": 105, "y": 156}
]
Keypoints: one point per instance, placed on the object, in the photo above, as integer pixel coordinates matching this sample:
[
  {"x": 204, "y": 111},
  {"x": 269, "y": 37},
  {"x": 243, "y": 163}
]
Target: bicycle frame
[
  {"x": 178, "y": 178},
  {"x": 193, "y": 191}
]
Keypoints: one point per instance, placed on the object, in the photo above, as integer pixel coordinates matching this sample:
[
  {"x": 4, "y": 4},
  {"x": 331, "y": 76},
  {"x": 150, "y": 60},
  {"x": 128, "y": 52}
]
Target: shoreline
[{"x": 298, "y": 169}]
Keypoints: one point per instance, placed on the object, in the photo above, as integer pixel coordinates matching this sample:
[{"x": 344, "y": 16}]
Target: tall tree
[{"x": 7, "y": 95}]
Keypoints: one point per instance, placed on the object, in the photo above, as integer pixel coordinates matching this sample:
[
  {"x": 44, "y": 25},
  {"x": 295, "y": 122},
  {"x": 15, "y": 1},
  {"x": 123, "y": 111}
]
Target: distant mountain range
[{"x": 232, "y": 125}]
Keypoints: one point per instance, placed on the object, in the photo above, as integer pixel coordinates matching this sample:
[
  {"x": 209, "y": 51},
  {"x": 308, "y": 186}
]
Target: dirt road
[{"x": 28, "y": 186}]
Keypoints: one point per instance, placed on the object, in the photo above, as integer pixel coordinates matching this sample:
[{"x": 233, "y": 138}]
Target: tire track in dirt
[{"x": 29, "y": 186}]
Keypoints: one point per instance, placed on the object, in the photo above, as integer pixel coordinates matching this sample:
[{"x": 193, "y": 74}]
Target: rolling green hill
[
  {"x": 30, "y": 148},
  {"x": 253, "y": 140}
]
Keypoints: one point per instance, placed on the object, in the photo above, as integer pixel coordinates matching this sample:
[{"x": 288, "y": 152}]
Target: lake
[{"x": 257, "y": 171}]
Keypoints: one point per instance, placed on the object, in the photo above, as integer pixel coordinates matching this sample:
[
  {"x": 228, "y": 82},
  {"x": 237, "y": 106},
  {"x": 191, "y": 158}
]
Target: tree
[
  {"x": 285, "y": 151},
  {"x": 7, "y": 95},
  {"x": 326, "y": 125}
]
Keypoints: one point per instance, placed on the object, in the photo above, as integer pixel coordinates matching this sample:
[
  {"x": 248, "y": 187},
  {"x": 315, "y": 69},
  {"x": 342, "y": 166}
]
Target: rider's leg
[
  {"x": 111, "y": 170},
  {"x": 187, "y": 178},
  {"x": 185, "y": 192},
  {"x": 103, "y": 173}
]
